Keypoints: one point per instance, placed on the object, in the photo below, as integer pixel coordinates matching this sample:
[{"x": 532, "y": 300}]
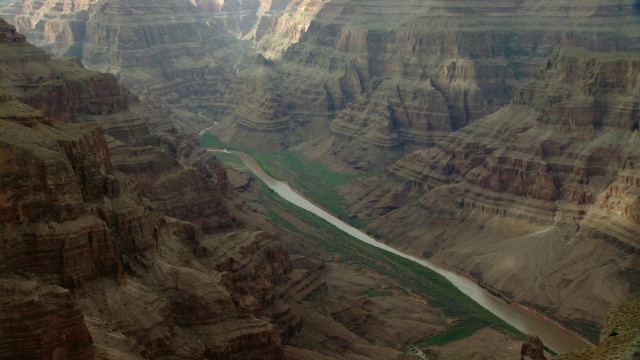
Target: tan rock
[{"x": 539, "y": 181}]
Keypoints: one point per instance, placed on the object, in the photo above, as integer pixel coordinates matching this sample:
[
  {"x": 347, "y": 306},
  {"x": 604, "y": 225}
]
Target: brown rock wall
[
  {"x": 70, "y": 185},
  {"x": 41, "y": 322}
]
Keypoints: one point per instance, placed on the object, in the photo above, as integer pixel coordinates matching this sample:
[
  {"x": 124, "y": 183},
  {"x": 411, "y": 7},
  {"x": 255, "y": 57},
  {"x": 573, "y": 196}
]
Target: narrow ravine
[{"x": 529, "y": 322}]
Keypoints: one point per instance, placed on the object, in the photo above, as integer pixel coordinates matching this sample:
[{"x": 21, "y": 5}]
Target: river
[{"x": 529, "y": 322}]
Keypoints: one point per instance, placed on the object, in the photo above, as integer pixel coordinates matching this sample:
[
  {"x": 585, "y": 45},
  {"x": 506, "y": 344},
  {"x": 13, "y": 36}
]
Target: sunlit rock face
[
  {"x": 618, "y": 337},
  {"x": 545, "y": 190}
]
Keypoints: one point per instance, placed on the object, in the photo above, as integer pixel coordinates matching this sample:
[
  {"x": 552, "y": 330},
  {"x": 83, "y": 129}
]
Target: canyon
[
  {"x": 498, "y": 139},
  {"x": 118, "y": 240},
  {"x": 122, "y": 239},
  {"x": 550, "y": 178}
]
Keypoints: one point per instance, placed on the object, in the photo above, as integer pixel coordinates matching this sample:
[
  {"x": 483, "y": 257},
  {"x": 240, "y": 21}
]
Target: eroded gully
[{"x": 529, "y": 322}]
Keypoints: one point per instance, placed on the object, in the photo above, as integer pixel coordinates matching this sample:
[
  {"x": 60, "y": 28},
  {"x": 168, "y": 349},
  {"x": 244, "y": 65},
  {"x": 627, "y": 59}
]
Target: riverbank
[{"x": 520, "y": 317}]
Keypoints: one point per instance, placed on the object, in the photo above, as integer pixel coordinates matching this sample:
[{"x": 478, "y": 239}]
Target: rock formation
[
  {"x": 532, "y": 349},
  {"x": 619, "y": 338},
  {"x": 91, "y": 267},
  {"x": 41, "y": 321},
  {"x": 544, "y": 189},
  {"x": 552, "y": 177},
  {"x": 421, "y": 70},
  {"x": 176, "y": 55}
]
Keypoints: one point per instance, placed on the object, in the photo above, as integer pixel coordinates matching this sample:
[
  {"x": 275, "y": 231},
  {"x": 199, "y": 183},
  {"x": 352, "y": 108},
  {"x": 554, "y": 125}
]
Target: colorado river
[{"x": 528, "y": 322}]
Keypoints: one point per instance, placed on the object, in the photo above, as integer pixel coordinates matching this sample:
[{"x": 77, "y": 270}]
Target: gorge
[
  {"x": 556, "y": 338},
  {"x": 498, "y": 139}
]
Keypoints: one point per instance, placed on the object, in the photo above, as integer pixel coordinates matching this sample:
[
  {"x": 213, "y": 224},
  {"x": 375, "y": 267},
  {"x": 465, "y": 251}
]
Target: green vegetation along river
[{"x": 555, "y": 337}]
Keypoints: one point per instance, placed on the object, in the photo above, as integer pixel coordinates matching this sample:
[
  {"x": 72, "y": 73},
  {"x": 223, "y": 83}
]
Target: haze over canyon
[{"x": 498, "y": 139}]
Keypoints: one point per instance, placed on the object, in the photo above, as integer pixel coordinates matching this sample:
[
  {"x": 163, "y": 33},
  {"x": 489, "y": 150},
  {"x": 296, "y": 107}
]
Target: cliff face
[
  {"x": 92, "y": 267},
  {"x": 619, "y": 336},
  {"x": 421, "y": 69},
  {"x": 60, "y": 27},
  {"x": 41, "y": 321},
  {"x": 550, "y": 178},
  {"x": 397, "y": 77}
]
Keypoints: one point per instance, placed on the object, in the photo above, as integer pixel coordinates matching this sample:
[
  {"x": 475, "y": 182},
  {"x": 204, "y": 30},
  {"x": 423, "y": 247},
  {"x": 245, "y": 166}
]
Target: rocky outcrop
[
  {"x": 144, "y": 143},
  {"x": 71, "y": 217},
  {"x": 252, "y": 284},
  {"x": 532, "y": 349},
  {"x": 285, "y": 29},
  {"x": 264, "y": 123},
  {"x": 549, "y": 178},
  {"x": 58, "y": 24},
  {"x": 619, "y": 337},
  {"x": 172, "y": 308}
]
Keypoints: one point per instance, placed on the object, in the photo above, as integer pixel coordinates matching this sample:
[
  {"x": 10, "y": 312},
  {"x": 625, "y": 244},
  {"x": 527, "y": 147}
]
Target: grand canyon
[{"x": 495, "y": 140}]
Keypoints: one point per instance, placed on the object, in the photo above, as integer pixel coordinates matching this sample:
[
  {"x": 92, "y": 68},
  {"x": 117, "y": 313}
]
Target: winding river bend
[{"x": 528, "y": 322}]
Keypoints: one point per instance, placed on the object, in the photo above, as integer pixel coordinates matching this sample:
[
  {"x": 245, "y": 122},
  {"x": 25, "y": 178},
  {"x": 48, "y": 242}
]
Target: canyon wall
[
  {"x": 123, "y": 240},
  {"x": 392, "y": 78},
  {"x": 539, "y": 200},
  {"x": 91, "y": 266},
  {"x": 420, "y": 69},
  {"x": 550, "y": 176},
  {"x": 176, "y": 55}
]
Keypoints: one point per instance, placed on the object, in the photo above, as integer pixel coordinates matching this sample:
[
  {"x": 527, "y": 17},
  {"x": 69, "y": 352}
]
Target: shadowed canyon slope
[{"x": 540, "y": 200}]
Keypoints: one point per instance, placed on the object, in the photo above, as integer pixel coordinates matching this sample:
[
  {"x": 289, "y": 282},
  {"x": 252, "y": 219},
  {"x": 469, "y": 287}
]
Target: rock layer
[
  {"x": 550, "y": 178},
  {"x": 80, "y": 229},
  {"x": 117, "y": 241},
  {"x": 618, "y": 338},
  {"x": 423, "y": 70},
  {"x": 41, "y": 321},
  {"x": 174, "y": 54}
]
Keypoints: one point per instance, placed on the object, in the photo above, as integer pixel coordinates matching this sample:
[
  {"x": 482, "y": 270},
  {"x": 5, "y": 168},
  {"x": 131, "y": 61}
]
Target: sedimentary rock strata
[
  {"x": 421, "y": 69},
  {"x": 424, "y": 70},
  {"x": 544, "y": 189},
  {"x": 84, "y": 233},
  {"x": 41, "y": 321},
  {"x": 176, "y": 53},
  {"x": 118, "y": 243}
]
